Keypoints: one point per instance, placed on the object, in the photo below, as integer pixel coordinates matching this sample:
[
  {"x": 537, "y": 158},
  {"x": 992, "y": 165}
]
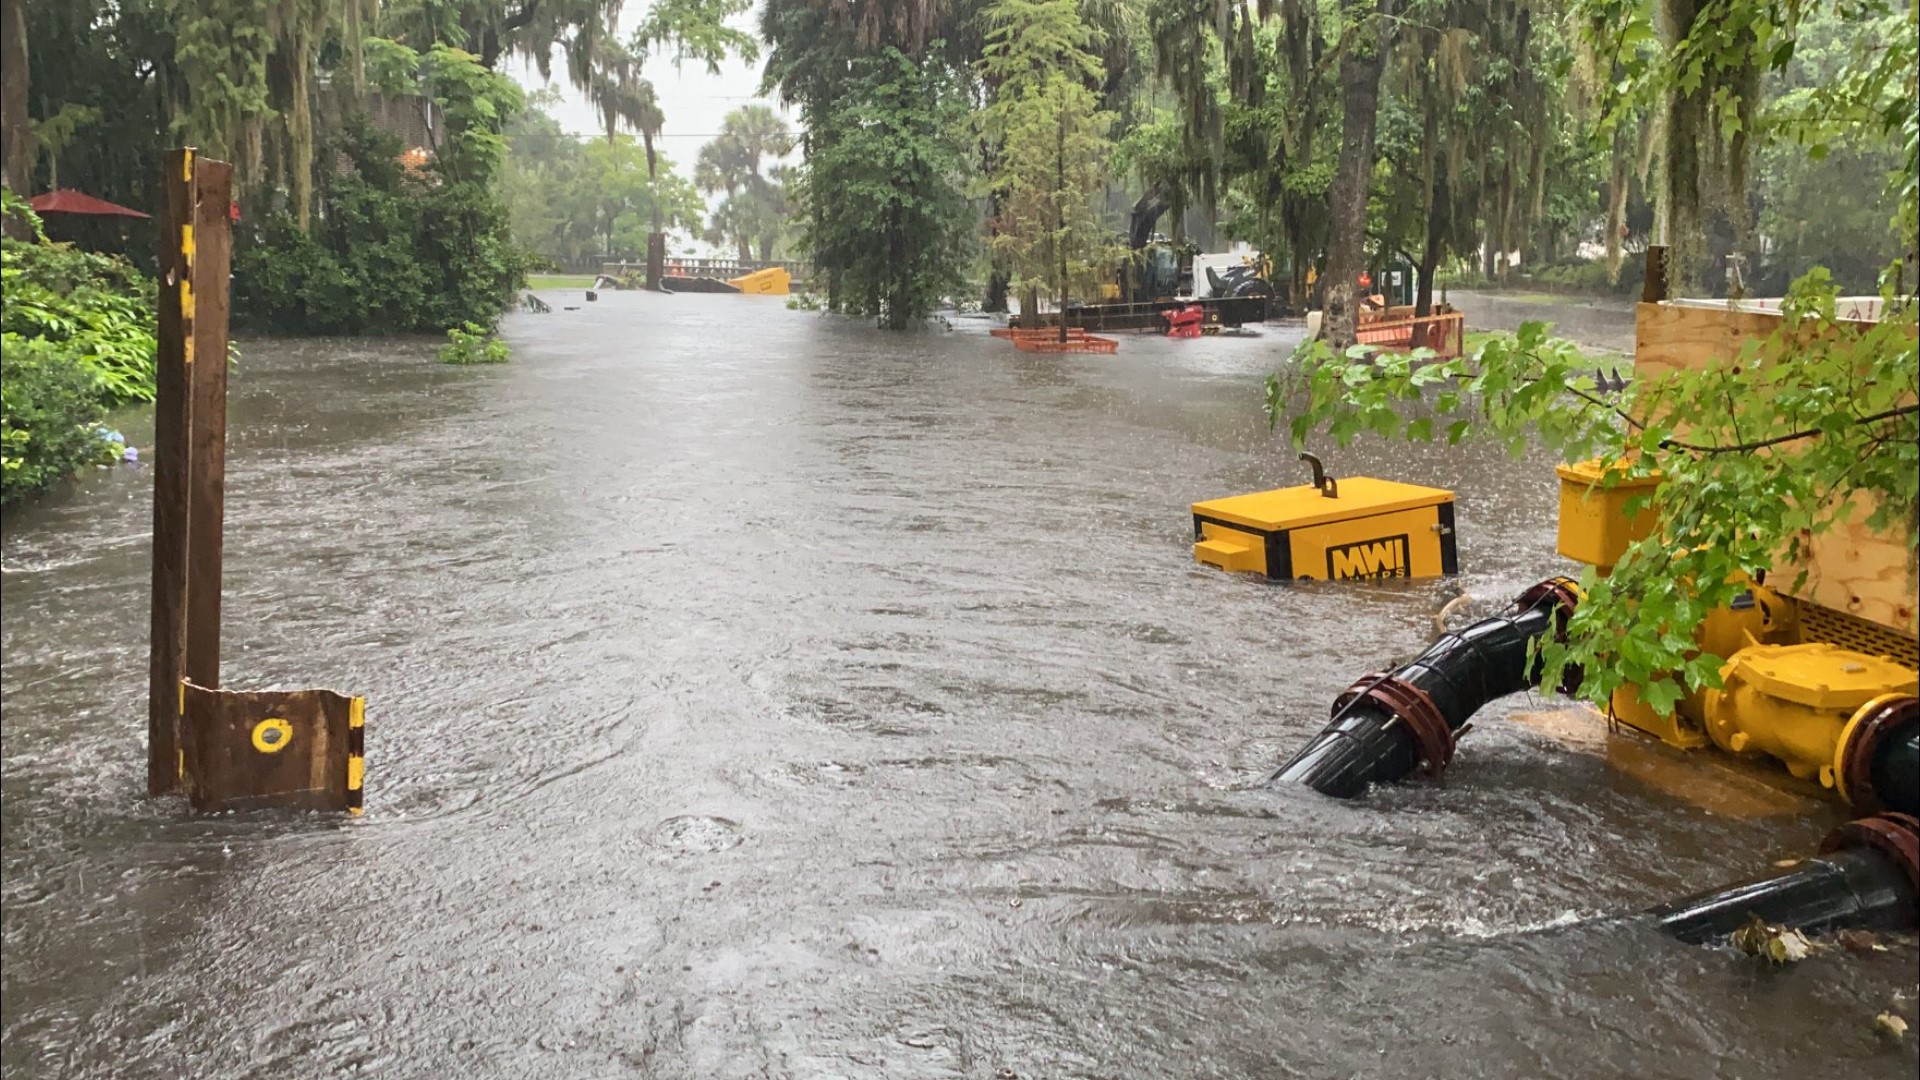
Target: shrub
[
  {"x": 473, "y": 344},
  {"x": 77, "y": 336},
  {"x": 391, "y": 251},
  {"x": 49, "y": 406}
]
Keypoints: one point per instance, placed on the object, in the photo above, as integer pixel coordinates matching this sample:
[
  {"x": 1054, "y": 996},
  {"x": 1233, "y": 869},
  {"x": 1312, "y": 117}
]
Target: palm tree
[{"x": 731, "y": 163}]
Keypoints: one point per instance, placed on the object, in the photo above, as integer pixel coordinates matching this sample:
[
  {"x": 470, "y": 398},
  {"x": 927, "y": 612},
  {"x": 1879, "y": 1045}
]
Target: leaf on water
[
  {"x": 1859, "y": 941},
  {"x": 1777, "y": 943},
  {"x": 1890, "y": 1024}
]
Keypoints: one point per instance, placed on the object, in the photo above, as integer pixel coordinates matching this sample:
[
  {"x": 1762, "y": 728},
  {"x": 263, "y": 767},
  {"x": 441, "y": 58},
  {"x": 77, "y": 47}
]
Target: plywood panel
[{"x": 1852, "y": 569}]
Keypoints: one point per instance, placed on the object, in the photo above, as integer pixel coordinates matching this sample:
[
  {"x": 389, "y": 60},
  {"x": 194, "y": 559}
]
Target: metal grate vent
[{"x": 1819, "y": 623}]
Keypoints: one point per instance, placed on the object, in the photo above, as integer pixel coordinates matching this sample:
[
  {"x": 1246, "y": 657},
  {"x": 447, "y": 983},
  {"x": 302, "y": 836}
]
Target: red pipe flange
[
  {"x": 1410, "y": 705},
  {"x": 1863, "y": 743},
  {"x": 1897, "y": 836}
]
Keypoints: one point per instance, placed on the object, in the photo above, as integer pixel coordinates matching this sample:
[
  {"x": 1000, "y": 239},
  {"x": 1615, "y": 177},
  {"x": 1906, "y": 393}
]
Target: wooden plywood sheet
[{"x": 1852, "y": 568}]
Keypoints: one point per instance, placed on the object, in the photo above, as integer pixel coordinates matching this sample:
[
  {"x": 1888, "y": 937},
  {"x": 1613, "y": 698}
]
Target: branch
[
  {"x": 520, "y": 18},
  {"x": 1792, "y": 436}
]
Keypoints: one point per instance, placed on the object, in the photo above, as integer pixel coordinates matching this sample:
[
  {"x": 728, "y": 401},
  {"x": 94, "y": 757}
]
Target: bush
[
  {"x": 76, "y": 336},
  {"x": 391, "y": 250},
  {"x": 49, "y": 406},
  {"x": 473, "y": 344}
]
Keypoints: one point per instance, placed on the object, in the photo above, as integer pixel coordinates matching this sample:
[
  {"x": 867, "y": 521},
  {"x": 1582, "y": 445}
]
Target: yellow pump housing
[
  {"x": 1356, "y": 528},
  {"x": 1595, "y": 527},
  {"x": 1794, "y": 702},
  {"x": 773, "y": 281}
]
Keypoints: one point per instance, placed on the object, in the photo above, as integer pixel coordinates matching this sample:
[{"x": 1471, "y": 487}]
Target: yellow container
[
  {"x": 1595, "y": 527},
  {"x": 1356, "y": 529},
  {"x": 773, "y": 281}
]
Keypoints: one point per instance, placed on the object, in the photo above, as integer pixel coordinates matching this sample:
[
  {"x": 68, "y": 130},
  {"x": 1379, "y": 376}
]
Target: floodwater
[
  {"x": 1597, "y": 322},
  {"x": 755, "y": 694}
]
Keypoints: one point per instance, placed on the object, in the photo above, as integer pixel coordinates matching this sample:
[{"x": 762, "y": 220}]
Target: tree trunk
[
  {"x": 1360, "y": 67},
  {"x": 999, "y": 279},
  {"x": 1436, "y": 249},
  {"x": 16, "y": 132},
  {"x": 744, "y": 246},
  {"x": 1060, "y": 220}
]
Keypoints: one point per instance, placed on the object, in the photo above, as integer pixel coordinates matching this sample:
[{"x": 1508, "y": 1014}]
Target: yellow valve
[{"x": 1795, "y": 702}]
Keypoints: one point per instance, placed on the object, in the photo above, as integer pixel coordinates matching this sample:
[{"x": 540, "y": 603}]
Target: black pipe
[
  {"x": 1857, "y": 888},
  {"x": 1368, "y": 741},
  {"x": 1863, "y": 878}
]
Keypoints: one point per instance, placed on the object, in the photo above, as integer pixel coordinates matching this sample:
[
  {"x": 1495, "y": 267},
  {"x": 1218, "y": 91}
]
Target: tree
[
  {"x": 16, "y": 136},
  {"x": 1363, "y": 56},
  {"x": 883, "y": 95},
  {"x": 1754, "y": 458},
  {"x": 755, "y": 206},
  {"x": 1049, "y": 141},
  {"x": 887, "y": 225}
]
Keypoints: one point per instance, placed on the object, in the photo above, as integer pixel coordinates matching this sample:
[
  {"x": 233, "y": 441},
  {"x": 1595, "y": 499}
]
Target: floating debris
[
  {"x": 1779, "y": 944},
  {"x": 1891, "y": 1025}
]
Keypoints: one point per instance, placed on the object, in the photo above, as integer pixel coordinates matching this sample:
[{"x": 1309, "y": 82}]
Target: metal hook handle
[{"x": 1325, "y": 484}]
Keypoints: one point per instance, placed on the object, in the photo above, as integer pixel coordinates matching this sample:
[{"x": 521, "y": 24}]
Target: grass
[{"x": 559, "y": 281}]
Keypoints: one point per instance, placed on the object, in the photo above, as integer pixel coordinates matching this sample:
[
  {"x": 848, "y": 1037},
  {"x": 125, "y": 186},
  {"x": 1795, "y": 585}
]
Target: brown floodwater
[{"x": 758, "y": 694}]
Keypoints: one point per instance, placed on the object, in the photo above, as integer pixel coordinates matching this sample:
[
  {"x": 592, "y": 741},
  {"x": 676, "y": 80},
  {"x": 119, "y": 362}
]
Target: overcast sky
[{"x": 693, "y": 101}]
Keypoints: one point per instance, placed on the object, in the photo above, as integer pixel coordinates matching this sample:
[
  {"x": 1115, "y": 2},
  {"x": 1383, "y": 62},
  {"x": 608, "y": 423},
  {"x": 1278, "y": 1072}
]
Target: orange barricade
[{"x": 1444, "y": 334}]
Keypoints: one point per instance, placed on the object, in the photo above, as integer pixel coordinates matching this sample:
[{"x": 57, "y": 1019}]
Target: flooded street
[{"x": 755, "y": 694}]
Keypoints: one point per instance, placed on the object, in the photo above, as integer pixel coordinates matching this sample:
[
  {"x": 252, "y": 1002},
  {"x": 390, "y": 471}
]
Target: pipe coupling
[
  {"x": 1406, "y": 704},
  {"x": 1859, "y": 745},
  {"x": 1896, "y": 836}
]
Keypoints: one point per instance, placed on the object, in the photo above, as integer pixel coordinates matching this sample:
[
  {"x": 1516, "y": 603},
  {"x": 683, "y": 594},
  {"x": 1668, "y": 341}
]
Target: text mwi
[{"x": 1384, "y": 557}]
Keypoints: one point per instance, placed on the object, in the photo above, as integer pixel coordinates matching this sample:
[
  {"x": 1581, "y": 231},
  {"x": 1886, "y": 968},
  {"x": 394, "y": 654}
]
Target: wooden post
[
  {"x": 656, "y": 259},
  {"x": 170, "y": 427},
  {"x": 207, "y": 416},
  {"x": 1654, "y": 289},
  {"x": 189, "y": 458}
]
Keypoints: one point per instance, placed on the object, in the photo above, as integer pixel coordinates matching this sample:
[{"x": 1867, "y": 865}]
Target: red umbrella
[{"x": 64, "y": 201}]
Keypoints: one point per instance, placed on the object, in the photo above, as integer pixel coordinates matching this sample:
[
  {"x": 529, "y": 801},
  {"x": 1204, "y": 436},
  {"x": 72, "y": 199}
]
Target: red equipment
[{"x": 1184, "y": 322}]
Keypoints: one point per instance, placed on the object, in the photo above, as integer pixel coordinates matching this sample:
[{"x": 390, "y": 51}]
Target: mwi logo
[{"x": 1384, "y": 557}]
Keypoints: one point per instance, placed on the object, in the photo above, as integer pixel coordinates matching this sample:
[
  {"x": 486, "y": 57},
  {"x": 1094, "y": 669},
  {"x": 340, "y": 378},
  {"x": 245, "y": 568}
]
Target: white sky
[{"x": 693, "y": 101}]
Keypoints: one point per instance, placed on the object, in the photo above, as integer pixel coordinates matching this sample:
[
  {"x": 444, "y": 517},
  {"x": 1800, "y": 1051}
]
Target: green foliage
[
  {"x": 48, "y": 409},
  {"x": 395, "y": 249},
  {"x": 887, "y": 225},
  {"x": 756, "y": 208},
  {"x": 1758, "y": 456},
  {"x": 76, "y": 336},
  {"x": 473, "y": 344},
  {"x": 1048, "y": 141}
]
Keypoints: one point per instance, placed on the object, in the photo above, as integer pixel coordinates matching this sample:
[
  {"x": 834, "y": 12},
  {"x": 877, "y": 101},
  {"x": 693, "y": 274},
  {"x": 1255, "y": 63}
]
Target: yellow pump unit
[
  {"x": 1353, "y": 529},
  {"x": 773, "y": 281}
]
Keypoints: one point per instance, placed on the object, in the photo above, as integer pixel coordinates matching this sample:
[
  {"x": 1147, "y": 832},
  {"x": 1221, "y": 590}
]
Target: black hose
[
  {"x": 1369, "y": 742},
  {"x": 1864, "y": 878}
]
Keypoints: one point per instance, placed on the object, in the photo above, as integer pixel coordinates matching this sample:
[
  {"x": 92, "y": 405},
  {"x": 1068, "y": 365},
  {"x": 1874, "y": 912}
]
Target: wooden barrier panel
[{"x": 292, "y": 748}]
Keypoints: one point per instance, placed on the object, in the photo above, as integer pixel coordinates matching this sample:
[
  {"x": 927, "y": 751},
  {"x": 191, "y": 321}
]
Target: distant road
[{"x": 1601, "y": 322}]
